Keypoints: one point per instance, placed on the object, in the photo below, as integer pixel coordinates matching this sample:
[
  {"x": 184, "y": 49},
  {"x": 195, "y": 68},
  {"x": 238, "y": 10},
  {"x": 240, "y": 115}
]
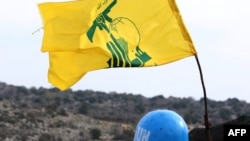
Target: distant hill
[{"x": 50, "y": 114}]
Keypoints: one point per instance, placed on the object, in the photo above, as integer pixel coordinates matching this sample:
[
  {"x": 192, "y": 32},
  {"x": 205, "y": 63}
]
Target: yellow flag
[
  {"x": 67, "y": 67},
  {"x": 64, "y": 22},
  {"x": 87, "y": 35}
]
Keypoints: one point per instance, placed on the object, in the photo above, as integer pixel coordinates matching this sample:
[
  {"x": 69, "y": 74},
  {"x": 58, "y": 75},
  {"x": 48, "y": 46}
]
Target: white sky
[{"x": 219, "y": 29}]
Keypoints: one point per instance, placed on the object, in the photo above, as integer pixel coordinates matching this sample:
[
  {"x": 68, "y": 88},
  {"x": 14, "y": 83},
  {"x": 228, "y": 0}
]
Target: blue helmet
[{"x": 161, "y": 125}]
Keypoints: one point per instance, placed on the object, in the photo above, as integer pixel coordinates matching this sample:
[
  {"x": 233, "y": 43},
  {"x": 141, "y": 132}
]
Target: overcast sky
[{"x": 219, "y": 29}]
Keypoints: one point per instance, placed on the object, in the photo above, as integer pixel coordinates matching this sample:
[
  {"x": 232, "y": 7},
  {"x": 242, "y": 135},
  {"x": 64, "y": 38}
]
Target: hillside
[{"x": 39, "y": 114}]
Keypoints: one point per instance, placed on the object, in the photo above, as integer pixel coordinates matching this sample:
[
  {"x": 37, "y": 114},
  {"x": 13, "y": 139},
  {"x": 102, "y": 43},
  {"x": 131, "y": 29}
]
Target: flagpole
[{"x": 207, "y": 124}]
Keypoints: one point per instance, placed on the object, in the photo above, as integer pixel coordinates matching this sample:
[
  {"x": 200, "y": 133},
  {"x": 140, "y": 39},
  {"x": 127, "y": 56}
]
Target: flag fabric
[
  {"x": 86, "y": 35},
  {"x": 64, "y": 22}
]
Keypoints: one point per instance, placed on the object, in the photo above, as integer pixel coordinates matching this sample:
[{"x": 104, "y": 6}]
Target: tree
[
  {"x": 83, "y": 109},
  {"x": 95, "y": 133},
  {"x": 46, "y": 137}
]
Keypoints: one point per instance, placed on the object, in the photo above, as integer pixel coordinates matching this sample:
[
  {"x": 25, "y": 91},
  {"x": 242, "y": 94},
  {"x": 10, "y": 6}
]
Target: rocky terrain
[{"x": 40, "y": 114}]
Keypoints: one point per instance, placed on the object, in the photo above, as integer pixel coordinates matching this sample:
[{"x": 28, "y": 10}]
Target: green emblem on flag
[{"x": 120, "y": 30}]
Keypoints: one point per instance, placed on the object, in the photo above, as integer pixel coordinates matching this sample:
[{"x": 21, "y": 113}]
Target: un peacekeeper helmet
[{"x": 161, "y": 125}]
